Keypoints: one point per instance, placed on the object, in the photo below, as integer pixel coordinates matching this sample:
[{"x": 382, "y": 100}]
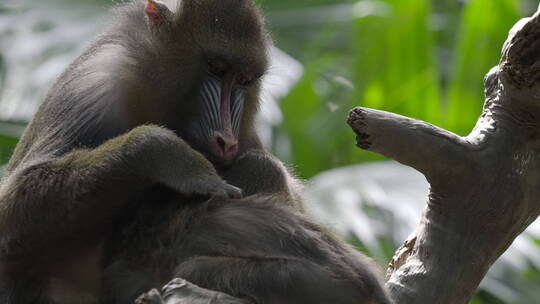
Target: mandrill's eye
[
  {"x": 217, "y": 67},
  {"x": 246, "y": 81}
]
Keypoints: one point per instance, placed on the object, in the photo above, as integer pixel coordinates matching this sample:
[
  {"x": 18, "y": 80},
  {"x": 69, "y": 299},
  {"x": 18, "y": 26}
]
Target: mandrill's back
[{"x": 250, "y": 248}]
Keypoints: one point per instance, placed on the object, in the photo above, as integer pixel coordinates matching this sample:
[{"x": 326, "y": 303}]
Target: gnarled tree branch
[{"x": 485, "y": 188}]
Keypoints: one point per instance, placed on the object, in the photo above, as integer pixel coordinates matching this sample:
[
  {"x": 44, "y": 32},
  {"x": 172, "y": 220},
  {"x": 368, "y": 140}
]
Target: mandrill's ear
[{"x": 157, "y": 13}]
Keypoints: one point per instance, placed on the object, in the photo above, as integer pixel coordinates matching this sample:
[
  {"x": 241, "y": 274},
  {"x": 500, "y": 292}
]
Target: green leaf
[
  {"x": 484, "y": 27},
  {"x": 395, "y": 66}
]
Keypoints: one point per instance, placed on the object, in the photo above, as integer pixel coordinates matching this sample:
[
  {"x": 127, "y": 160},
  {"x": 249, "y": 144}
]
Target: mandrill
[{"x": 143, "y": 165}]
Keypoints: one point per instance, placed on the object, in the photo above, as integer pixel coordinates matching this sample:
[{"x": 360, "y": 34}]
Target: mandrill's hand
[
  {"x": 170, "y": 161},
  {"x": 207, "y": 185}
]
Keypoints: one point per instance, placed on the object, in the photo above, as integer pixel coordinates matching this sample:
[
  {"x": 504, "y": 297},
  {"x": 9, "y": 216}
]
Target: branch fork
[{"x": 485, "y": 187}]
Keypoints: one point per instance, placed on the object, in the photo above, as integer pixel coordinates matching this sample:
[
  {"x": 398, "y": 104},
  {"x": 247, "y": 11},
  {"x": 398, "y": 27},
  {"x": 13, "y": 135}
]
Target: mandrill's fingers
[
  {"x": 233, "y": 192},
  {"x": 227, "y": 191},
  {"x": 209, "y": 186}
]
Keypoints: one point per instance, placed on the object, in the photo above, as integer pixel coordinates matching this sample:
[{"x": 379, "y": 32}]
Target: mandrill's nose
[{"x": 224, "y": 146}]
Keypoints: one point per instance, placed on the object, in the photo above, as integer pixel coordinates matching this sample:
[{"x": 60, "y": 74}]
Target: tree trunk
[{"x": 485, "y": 187}]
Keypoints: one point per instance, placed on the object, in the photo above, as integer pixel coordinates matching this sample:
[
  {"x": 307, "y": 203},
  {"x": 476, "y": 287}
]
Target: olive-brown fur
[{"x": 113, "y": 190}]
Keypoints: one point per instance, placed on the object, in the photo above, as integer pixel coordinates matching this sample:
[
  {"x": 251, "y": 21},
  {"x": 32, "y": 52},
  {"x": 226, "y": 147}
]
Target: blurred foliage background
[{"x": 421, "y": 58}]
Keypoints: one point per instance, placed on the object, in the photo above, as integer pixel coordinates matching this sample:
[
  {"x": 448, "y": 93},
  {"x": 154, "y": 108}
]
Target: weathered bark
[{"x": 485, "y": 188}]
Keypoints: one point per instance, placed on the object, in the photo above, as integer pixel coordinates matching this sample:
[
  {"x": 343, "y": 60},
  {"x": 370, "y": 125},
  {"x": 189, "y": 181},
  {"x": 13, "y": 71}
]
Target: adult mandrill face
[{"x": 217, "y": 52}]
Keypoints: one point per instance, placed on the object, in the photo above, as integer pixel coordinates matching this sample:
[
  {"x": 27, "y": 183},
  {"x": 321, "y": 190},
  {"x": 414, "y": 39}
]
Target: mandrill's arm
[{"x": 74, "y": 196}]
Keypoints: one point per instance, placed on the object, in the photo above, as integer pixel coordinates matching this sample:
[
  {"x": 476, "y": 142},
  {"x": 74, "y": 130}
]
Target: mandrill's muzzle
[
  {"x": 222, "y": 107},
  {"x": 224, "y": 145}
]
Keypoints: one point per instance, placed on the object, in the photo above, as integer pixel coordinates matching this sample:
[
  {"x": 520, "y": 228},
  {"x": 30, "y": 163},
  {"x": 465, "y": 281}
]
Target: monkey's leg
[
  {"x": 259, "y": 172},
  {"x": 59, "y": 201},
  {"x": 265, "y": 280}
]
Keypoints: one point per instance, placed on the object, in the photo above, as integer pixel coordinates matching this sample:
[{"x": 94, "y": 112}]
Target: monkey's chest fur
[
  {"x": 147, "y": 244},
  {"x": 137, "y": 252}
]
